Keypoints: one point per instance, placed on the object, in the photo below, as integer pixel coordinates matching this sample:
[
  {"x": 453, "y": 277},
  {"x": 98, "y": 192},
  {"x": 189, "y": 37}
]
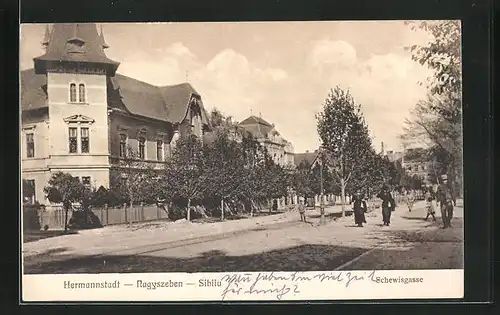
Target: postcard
[{"x": 241, "y": 161}]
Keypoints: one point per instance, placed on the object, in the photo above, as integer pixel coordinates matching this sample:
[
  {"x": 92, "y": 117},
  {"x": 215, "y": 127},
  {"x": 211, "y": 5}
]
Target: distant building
[
  {"x": 393, "y": 156},
  {"x": 79, "y": 116},
  {"x": 307, "y": 158},
  {"x": 279, "y": 148}
]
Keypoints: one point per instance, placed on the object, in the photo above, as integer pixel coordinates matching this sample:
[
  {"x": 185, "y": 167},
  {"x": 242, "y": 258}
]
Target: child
[
  {"x": 302, "y": 210},
  {"x": 429, "y": 205}
]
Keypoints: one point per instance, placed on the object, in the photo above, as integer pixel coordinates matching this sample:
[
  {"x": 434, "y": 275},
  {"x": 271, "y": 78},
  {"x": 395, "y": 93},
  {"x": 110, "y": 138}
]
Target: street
[{"x": 276, "y": 242}]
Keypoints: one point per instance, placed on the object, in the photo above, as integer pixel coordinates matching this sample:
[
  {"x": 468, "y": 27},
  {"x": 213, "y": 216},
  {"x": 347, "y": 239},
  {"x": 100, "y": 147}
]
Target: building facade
[
  {"x": 79, "y": 116},
  {"x": 279, "y": 148}
]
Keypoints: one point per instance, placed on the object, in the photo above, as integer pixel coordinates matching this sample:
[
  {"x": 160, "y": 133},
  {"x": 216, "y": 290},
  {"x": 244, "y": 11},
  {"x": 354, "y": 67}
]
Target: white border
[{"x": 240, "y": 286}]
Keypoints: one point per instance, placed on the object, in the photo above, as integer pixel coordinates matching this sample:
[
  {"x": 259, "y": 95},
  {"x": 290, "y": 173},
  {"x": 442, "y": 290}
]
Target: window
[
  {"x": 29, "y": 191},
  {"x": 81, "y": 92},
  {"x": 84, "y": 138},
  {"x": 123, "y": 146},
  {"x": 73, "y": 142},
  {"x": 72, "y": 93},
  {"x": 86, "y": 181},
  {"x": 142, "y": 152},
  {"x": 30, "y": 145},
  {"x": 159, "y": 150}
]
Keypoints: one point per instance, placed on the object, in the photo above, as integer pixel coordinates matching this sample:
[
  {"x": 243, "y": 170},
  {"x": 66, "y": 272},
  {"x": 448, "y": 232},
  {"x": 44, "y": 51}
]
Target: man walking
[
  {"x": 446, "y": 199},
  {"x": 388, "y": 204},
  {"x": 359, "y": 209}
]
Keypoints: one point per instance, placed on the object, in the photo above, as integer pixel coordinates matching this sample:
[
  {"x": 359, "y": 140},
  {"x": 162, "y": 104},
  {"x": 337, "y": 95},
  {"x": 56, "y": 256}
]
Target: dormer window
[
  {"x": 81, "y": 97},
  {"x": 75, "y": 46}
]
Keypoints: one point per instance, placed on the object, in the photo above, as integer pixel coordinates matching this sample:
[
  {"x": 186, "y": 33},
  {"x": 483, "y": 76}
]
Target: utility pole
[{"x": 321, "y": 204}]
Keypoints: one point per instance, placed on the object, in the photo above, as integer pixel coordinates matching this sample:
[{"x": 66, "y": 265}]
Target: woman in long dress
[
  {"x": 388, "y": 204},
  {"x": 359, "y": 207}
]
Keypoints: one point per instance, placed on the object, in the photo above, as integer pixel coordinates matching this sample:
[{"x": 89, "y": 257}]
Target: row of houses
[{"x": 78, "y": 115}]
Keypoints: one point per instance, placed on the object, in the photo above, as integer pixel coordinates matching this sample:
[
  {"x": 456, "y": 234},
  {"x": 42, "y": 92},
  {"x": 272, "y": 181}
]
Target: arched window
[
  {"x": 81, "y": 93},
  {"x": 72, "y": 93}
]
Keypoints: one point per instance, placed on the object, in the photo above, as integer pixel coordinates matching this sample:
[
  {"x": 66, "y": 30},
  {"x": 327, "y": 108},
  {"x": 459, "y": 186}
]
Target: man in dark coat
[
  {"x": 388, "y": 204},
  {"x": 359, "y": 208},
  {"x": 446, "y": 198}
]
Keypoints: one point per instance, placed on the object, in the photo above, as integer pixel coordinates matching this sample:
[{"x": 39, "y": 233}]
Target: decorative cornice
[{"x": 79, "y": 119}]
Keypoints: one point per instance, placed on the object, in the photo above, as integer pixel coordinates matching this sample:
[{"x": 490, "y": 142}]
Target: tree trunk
[
  {"x": 222, "y": 209},
  {"x": 342, "y": 195},
  {"x": 130, "y": 216},
  {"x": 189, "y": 210},
  {"x": 66, "y": 209},
  {"x": 86, "y": 214}
]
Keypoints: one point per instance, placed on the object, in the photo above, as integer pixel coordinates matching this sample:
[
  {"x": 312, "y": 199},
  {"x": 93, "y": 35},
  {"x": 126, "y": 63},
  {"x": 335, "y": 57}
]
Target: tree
[
  {"x": 185, "y": 172},
  {"x": 302, "y": 181},
  {"x": 345, "y": 140},
  {"x": 66, "y": 189},
  {"x": 438, "y": 119},
  {"x": 136, "y": 179},
  {"x": 442, "y": 54},
  {"x": 224, "y": 166}
]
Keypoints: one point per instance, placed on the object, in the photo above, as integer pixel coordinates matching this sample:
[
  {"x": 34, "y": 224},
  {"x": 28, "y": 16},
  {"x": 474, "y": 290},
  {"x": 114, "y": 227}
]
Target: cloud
[
  {"x": 332, "y": 54},
  {"x": 288, "y": 94},
  {"x": 178, "y": 49}
]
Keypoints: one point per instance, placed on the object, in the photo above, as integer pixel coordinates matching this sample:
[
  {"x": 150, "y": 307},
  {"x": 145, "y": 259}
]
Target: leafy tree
[
  {"x": 224, "y": 166},
  {"x": 66, "y": 189},
  {"x": 345, "y": 140},
  {"x": 219, "y": 121},
  {"x": 185, "y": 173},
  {"x": 303, "y": 179},
  {"x": 136, "y": 181},
  {"x": 438, "y": 119}
]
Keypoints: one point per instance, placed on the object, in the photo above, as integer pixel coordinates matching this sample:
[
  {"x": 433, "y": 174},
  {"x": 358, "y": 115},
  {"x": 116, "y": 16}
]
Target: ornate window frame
[
  {"x": 77, "y": 92},
  {"x": 78, "y": 121}
]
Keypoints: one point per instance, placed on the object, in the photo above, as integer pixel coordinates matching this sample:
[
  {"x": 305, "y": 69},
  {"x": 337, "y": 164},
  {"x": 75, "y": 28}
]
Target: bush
[
  {"x": 82, "y": 220},
  {"x": 31, "y": 218}
]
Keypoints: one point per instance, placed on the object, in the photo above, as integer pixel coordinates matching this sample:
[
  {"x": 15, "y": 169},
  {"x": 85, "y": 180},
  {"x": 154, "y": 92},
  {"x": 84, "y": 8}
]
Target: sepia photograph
[{"x": 241, "y": 147}]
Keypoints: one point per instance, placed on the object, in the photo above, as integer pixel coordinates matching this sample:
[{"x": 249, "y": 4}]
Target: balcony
[{"x": 115, "y": 161}]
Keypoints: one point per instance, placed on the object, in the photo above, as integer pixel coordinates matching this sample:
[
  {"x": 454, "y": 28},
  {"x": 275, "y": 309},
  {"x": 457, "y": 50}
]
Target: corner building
[{"x": 79, "y": 115}]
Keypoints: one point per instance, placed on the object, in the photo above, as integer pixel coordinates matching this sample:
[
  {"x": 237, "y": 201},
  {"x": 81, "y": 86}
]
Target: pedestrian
[
  {"x": 388, "y": 204},
  {"x": 275, "y": 205},
  {"x": 446, "y": 198},
  {"x": 429, "y": 197},
  {"x": 410, "y": 200},
  {"x": 302, "y": 210},
  {"x": 359, "y": 209}
]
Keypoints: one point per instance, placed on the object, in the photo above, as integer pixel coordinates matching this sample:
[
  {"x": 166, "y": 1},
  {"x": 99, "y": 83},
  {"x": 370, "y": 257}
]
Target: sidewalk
[{"x": 141, "y": 235}]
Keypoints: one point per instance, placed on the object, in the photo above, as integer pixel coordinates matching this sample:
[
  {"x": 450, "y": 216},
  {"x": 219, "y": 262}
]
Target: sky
[{"x": 282, "y": 71}]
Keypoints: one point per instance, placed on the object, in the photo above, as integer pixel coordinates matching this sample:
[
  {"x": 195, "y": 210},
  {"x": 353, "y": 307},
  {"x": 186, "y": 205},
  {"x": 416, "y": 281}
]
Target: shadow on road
[
  {"x": 35, "y": 235},
  {"x": 298, "y": 258},
  {"x": 331, "y": 215}
]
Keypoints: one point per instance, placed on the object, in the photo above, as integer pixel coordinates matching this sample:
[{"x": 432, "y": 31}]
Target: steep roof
[
  {"x": 75, "y": 42},
  {"x": 307, "y": 157},
  {"x": 33, "y": 95},
  {"x": 176, "y": 97},
  {"x": 167, "y": 103},
  {"x": 258, "y": 127},
  {"x": 255, "y": 120}
]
